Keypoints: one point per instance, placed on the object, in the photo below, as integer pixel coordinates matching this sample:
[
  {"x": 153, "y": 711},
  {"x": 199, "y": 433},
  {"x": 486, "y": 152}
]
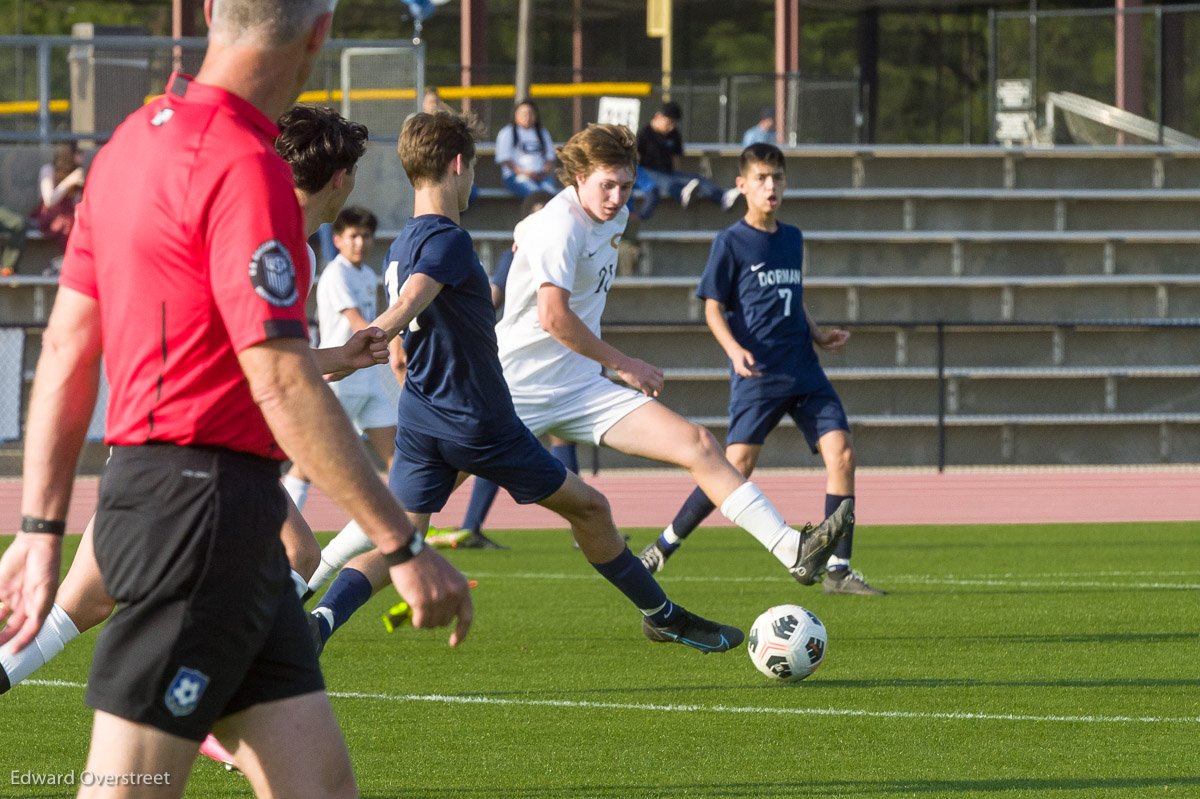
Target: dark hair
[
  {"x": 761, "y": 153},
  {"x": 671, "y": 110},
  {"x": 533, "y": 199},
  {"x": 429, "y": 142},
  {"x": 64, "y": 161},
  {"x": 548, "y": 154},
  {"x": 355, "y": 216},
  {"x": 316, "y": 142}
]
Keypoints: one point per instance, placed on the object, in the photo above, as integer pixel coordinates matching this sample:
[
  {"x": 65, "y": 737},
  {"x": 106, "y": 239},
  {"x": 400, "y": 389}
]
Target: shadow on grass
[{"x": 806, "y": 789}]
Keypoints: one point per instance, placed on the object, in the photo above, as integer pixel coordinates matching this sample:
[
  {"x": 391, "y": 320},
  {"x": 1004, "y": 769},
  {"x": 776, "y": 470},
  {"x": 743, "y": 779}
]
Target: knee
[
  {"x": 842, "y": 461},
  {"x": 339, "y": 781},
  {"x": 704, "y": 445},
  {"x": 594, "y": 508},
  {"x": 304, "y": 555}
]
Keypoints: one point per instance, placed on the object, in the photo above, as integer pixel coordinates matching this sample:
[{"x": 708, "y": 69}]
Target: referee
[{"x": 182, "y": 269}]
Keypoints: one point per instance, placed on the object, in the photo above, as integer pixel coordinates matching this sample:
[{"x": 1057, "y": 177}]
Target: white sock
[
  {"x": 351, "y": 541},
  {"x": 835, "y": 562},
  {"x": 57, "y": 631},
  {"x": 669, "y": 536},
  {"x": 297, "y": 489},
  {"x": 750, "y": 510},
  {"x": 300, "y": 584}
]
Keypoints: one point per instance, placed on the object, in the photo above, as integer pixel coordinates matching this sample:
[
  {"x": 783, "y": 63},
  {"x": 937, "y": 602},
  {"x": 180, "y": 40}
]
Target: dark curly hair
[{"x": 316, "y": 142}]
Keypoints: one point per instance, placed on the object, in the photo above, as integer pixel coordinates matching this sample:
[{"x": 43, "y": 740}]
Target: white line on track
[
  {"x": 778, "y": 711},
  {"x": 992, "y": 581}
]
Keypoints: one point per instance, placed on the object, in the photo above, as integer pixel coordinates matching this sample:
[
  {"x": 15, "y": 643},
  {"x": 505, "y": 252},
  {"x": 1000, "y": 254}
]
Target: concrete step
[{"x": 1107, "y": 346}]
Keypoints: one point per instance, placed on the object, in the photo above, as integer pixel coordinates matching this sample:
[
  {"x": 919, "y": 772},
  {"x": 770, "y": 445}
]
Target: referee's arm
[
  {"x": 60, "y": 408},
  {"x": 312, "y": 428}
]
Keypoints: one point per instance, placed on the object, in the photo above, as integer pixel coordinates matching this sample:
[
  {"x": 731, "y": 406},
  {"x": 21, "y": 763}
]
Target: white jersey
[
  {"x": 563, "y": 246},
  {"x": 343, "y": 286}
]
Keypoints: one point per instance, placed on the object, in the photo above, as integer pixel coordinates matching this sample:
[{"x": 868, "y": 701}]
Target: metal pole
[
  {"x": 1033, "y": 57},
  {"x": 941, "y": 389},
  {"x": 43, "y": 78},
  {"x": 1159, "y": 32},
  {"x": 993, "y": 47},
  {"x": 523, "y": 47}
]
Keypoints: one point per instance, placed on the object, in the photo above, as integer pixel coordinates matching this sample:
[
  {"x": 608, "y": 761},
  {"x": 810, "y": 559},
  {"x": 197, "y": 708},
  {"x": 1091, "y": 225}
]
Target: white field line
[
  {"x": 730, "y": 709},
  {"x": 992, "y": 581}
]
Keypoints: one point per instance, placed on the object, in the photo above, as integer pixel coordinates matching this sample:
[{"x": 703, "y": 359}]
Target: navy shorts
[
  {"x": 207, "y": 621},
  {"x": 815, "y": 414},
  {"x": 425, "y": 467}
]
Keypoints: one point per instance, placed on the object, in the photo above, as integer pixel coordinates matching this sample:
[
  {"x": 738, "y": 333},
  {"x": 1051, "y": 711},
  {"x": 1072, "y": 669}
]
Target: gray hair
[{"x": 265, "y": 23}]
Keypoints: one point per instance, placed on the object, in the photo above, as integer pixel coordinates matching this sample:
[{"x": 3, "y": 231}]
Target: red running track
[{"x": 908, "y": 496}]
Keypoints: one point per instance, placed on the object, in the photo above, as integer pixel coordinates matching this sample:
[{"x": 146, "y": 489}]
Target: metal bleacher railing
[{"x": 928, "y": 382}]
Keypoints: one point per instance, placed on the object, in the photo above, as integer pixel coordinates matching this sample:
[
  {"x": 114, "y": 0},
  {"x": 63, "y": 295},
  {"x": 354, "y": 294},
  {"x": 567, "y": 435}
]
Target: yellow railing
[{"x": 500, "y": 91}]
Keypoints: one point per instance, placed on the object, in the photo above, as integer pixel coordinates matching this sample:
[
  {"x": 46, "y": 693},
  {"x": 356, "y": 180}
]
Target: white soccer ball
[{"x": 787, "y": 642}]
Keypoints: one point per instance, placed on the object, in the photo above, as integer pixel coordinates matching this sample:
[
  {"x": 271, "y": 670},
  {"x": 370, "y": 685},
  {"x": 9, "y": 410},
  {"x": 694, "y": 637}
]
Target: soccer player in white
[
  {"x": 346, "y": 300},
  {"x": 552, "y": 352}
]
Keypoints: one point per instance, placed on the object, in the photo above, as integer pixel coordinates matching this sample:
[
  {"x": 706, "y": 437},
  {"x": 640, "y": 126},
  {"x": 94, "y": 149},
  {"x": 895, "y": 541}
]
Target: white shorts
[
  {"x": 369, "y": 397},
  {"x": 583, "y": 415}
]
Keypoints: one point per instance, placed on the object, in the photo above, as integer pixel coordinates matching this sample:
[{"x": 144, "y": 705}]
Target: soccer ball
[{"x": 787, "y": 642}]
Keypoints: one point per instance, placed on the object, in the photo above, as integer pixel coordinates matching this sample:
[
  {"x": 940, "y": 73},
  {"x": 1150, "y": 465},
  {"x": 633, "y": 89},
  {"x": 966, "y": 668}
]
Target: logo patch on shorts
[
  {"x": 273, "y": 274},
  {"x": 183, "y": 695}
]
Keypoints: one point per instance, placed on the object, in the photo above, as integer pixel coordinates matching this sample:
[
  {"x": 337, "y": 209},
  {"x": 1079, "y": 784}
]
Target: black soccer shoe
[
  {"x": 478, "y": 541},
  {"x": 817, "y": 543},
  {"x": 4, "y": 683},
  {"x": 698, "y": 633}
]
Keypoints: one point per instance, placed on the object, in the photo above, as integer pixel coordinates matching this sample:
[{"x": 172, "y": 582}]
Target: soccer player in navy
[
  {"x": 753, "y": 295},
  {"x": 455, "y": 412}
]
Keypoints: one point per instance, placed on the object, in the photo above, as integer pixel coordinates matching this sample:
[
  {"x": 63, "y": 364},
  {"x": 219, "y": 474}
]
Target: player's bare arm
[
  {"x": 367, "y": 347},
  {"x": 831, "y": 340},
  {"x": 741, "y": 358},
  {"x": 310, "y": 425},
  {"x": 415, "y": 295},
  {"x": 60, "y": 408},
  {"x": 557, "y": 319}
]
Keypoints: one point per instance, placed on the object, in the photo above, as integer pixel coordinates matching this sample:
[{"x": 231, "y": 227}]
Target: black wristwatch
[{"x": 406, "y": 553}]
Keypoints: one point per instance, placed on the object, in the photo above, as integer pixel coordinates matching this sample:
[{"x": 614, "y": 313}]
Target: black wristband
[
  {"x": 405, "y": 553},
  {"x": 31, "y": 524}
]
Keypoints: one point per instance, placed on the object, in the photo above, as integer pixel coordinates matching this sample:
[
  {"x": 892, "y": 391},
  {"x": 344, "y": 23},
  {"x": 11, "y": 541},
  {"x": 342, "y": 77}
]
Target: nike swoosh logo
[
  {"x": 592, "y": 254},
  {"x": 756, "y": 267}
]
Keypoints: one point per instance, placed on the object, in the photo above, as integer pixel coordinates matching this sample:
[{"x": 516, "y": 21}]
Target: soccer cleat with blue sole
[
  {"x": 694, "y": 631},
  {"x": 817, "y": 543}
]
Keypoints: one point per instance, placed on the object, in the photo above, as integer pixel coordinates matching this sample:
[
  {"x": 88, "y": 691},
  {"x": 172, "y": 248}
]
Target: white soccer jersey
[
  {"x": 344, "y": 285},
  {"x": 563, "y": 246}
]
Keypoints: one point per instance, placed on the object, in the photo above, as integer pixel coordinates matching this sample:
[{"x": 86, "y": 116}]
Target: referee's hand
[
  {"x": 28, "y": 582},
  {"x": 436, "y": 591}
]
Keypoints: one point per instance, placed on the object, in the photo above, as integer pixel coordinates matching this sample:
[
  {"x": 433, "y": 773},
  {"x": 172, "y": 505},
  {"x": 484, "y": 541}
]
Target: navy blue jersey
[
  {"x": 454, "y": 389},
  {"x": 757, "y": 277},
  {"x": 500, "y": 276}
]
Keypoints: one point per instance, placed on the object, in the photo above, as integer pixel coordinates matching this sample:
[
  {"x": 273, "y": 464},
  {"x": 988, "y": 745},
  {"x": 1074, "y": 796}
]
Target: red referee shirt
[{"x": 188, "y": 235}]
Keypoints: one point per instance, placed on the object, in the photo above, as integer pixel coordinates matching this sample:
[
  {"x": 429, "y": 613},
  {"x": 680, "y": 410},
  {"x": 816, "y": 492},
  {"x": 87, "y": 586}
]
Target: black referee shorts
[{"x": 207, "y": 621}]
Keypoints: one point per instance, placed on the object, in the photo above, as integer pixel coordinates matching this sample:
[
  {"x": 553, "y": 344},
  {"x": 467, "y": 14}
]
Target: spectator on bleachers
[
  {"x": 12, "y": 240},
  {"x": 525, "y": 153},
  {"x": 660, "y": 148},
  {"x": 60, "y": 187},
  {"x": 763, "y": 132}
]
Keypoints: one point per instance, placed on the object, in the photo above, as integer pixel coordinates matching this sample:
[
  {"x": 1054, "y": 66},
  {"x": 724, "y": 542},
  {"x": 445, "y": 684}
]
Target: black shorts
[{"x": 207, "y": 621}]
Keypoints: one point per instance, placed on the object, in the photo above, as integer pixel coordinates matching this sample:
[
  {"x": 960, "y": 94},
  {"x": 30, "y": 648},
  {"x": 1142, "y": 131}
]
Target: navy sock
[
  {"x": 633, "y": 580},
  {"x": 483, "y": 494},
  {"x": 567, "y": 456},
  {"x": 695, "y": 510},
  {"x": 349, "y": 592},
  {"x": 847, "y": 543}
]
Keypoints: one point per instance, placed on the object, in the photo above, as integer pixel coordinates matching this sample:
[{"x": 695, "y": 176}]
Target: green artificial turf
[{"x": 1008, "y": 661}]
